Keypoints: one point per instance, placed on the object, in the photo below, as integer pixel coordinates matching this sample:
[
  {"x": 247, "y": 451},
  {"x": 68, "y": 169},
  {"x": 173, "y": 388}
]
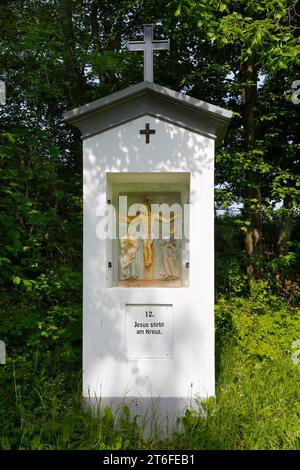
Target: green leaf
[
  {"x": 178, "y": 11},
  {"x": 16, "y": 280}
]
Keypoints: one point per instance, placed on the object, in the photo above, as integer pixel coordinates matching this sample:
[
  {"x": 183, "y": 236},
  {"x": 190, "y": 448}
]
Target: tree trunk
[
  {"x": 68, "y": 37},
  {"x": 286, "y": 227},
  {"x": 75, "y": 81},
  {"x": 253, "y": 236},
  {"x": 95, "y": 26},
  {"x": 95, "y": 33},
  {"x": 284, "y": 236}
]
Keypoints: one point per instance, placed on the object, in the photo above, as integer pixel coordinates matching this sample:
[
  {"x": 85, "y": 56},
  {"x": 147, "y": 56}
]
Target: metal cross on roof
[{"x": 148, "y": 46}]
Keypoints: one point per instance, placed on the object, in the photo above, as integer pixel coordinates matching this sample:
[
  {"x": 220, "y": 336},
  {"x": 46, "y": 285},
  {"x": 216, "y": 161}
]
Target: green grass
[
  {"x": 257, "y": 404},
  {"x": 257, "y": 407}
]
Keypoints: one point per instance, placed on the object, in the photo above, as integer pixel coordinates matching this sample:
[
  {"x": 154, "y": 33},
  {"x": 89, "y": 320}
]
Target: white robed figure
[{"x": 168, "y": 268}]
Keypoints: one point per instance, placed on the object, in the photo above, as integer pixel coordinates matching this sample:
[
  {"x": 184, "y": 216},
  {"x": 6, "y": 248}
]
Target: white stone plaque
[{"x": 149, "y": 331}]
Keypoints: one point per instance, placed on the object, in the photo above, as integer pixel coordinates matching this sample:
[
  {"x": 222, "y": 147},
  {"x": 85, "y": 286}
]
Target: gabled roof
[{"x": 148, "y": 98}]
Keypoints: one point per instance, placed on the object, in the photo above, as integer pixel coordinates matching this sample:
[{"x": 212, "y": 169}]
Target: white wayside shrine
[{"x": 148, "y": 249}]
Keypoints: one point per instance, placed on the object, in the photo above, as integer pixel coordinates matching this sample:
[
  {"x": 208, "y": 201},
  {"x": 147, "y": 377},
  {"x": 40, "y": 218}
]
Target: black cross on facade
[{"x": 147, "y": 131}]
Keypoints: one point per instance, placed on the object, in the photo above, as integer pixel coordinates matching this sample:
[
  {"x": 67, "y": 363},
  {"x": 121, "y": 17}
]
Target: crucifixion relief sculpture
[{"x": 141, "y": 232}]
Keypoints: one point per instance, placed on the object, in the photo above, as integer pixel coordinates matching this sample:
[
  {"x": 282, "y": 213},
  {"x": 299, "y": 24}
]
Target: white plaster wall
[{"x": 107, "y": 370}]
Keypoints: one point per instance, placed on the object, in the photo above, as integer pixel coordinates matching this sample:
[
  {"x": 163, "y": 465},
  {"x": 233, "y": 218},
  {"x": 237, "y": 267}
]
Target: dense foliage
[{"x": 243, "y": 55}]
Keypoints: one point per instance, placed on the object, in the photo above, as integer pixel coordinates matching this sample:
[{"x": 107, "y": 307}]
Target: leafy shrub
[
  {"x": 262, "y": 326},
  {"x": 257, "y": 406}
]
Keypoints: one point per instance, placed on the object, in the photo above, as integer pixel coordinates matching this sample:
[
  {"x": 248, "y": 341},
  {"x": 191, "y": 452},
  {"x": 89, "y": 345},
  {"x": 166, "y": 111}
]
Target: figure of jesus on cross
[{"x": 145, "y": 221}]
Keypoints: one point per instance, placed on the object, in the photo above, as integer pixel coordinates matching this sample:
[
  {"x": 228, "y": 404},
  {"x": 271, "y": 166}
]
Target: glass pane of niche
[{"x": 151, "y": 244}]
